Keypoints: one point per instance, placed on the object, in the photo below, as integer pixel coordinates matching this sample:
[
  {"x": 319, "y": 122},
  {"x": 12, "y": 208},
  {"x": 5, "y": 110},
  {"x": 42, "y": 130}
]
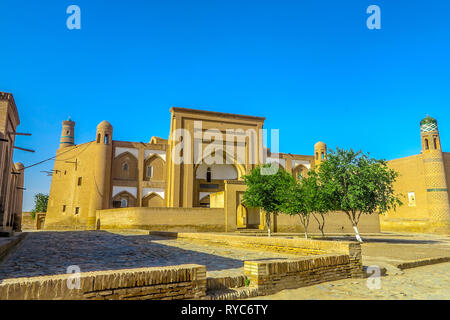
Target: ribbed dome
[
  {"x": 428, "y": 120},
  {"x": 320, "y": 144},
  {"x": 428, "y": 124},
  {"x": 104, "y": 125}
]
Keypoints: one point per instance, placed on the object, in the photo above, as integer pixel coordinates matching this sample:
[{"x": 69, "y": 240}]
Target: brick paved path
[
  {"x": 46, "y": 253},
  {"x": 428, "y": 282}
]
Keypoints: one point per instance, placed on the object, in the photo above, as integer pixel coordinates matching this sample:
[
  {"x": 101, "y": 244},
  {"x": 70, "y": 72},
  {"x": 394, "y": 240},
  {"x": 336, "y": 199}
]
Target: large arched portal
[{"x": 211, "y": 179}]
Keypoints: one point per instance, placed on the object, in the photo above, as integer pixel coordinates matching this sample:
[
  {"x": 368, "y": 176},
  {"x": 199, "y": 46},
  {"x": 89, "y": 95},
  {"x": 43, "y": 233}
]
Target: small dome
[
  {"x": 19, "y": 165},
  {"x": 104, "y": 125},
  {"x": 320, "y": 144},
  {"x": 428, "y": 120}
]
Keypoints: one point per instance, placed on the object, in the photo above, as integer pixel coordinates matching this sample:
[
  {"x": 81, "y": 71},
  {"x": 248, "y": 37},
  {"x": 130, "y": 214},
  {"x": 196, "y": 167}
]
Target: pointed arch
[
  {"x": 205, "y": 200},
  {"x": 299, "y": 170},
  {"x": 154, "y": 168},
  {"x": 153, "y": 200},
  {"x": 125, "y": 167},
  {"x": 122, "y": 198},
  {"x": 227, "y": 160}
]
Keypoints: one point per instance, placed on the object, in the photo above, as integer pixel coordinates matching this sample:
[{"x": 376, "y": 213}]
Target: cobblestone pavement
[
  {"x": 46, "y": 253},
  {"x": 428, "y": 282}
]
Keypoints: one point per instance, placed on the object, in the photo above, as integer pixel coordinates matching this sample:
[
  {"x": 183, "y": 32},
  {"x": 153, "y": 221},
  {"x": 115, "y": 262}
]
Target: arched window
[
  {"x": 208, "y": 175},
  {"x": 317, "y": 156},
  {"x": 435, "y": 143},
  {"x": 106, "y": 139},
  {"x": 125, "y": 166},
  {"x": 427, "y": 145},
  {"x": 124, "y": 203},
  {"x": 323, "y": 156},
  {"x": 98, "y": 138}
]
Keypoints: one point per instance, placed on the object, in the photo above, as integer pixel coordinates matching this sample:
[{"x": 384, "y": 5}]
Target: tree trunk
[
  {"x": 354, "y": 224},
  {"x": 321, "y": 225},
  {"x": 305, "y": 224},
  {"x": 268, "y": 224},
  {"x": 321, "y": 230},
  {"x": 358, "y": 237}
]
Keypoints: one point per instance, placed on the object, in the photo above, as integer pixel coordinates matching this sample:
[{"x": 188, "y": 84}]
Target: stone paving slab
[{"x": 47, "y": 253}]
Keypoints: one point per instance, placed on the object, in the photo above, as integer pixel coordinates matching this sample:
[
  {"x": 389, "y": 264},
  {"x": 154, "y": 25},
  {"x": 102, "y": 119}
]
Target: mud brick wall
[
  {"x": 274, "y": 275},
  {"x": 225, "y": 282},
  {"x": 297, "y": 246},
  {"x": 355, "y": 255},
  {"x": 165, "y": 283},
  {"x": 164, "y": 219}
]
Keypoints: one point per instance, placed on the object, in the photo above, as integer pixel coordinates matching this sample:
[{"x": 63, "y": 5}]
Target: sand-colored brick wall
[
  {"x": 28, "y": 223},
  {"x": 271, "y": 276},
  {"x": 446, "y": 157},
  {"x": 411, "y": 179},
  {"x": 296, "y": 245},
  {"x": 412, "y": 217},
  {"x": 170, "y": 219},
  {"x": 162, "y": 283},
  {"x": 72, "y": 163},
  {"x": 335, "y": 222}
]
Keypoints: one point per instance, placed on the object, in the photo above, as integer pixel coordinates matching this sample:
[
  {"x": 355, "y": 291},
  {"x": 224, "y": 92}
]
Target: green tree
[
  {"x": 266, "y": 190},
  {"x": 40, "y": 204},
  {"x": 357, "y": 184},
  {"x": 305, "y": 198},
  {"x": 295, "y": 204},
  {"x": 315, "y": 198}
]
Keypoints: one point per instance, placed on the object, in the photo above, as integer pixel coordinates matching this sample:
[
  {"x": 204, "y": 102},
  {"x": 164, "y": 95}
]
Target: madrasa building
[
  {"x": 423, "y": 181},
  {"x": 192, "y": 181}
]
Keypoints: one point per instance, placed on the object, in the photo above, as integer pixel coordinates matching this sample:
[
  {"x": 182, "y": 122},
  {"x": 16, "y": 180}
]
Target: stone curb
[{"x": 421, "y": 262}]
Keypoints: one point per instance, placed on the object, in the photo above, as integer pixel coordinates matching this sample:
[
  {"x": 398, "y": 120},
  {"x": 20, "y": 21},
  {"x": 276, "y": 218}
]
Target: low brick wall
[
  {"x": 296, "y": 245},
  {"x": 28, "y": 223},
  {"x": 271, "y": 276},
  {"x": 422, "y": 262},
  {"x": 165, "y": 219},
  {"x": 216, "y": 283},
  {"x": 324, "y": 261},
  {"x": 163, "y": 283}
]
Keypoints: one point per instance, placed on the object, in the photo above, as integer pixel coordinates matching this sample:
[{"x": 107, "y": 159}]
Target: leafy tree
[
  {"x": 315, "y": 198},
  {"x": 305, "y": 198},
  {"x": 296, "y": 204},
  {"x": 357, "y": 184},
  {"x": 266, "y": 190},
  {"x": 40, "y": 204}
]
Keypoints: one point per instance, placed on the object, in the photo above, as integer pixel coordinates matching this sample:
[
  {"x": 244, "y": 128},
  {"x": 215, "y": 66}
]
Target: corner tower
[
  {"x": 320, "y": 153},
  {"x": 100, "y": 196},
  {"x": 67, "y": 134},
  {"x": 435, "y": 179}
]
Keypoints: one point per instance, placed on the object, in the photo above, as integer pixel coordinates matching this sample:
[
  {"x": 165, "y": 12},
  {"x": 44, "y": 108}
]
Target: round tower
[
  {"x": 101, "y": 166},
  {"x": 435, "y": 178},
  {"x": 67, "y": 134},
  {"x": 320, "y": 153}
]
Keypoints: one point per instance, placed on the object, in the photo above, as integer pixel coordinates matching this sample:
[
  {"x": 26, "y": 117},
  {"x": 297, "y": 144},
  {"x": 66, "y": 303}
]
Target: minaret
[
  {"x": 100, "y": 197},
  {"x": 320, "y": 153},
  {"x": 435, "y": 179},
  {"x": 67, "y": 134}
]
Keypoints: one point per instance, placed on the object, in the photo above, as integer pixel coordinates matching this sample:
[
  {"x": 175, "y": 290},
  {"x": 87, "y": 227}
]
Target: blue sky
[{"x": 312, "y": 68}]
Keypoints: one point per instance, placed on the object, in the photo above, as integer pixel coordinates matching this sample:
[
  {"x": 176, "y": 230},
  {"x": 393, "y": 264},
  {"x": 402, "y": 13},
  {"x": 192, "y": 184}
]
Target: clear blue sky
[{"x": 312, "y": 68}]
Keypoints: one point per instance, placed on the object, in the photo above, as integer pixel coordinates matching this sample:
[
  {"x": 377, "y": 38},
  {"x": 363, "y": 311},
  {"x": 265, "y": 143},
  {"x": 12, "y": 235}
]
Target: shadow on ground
[{"x": 47, "y": 253}]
